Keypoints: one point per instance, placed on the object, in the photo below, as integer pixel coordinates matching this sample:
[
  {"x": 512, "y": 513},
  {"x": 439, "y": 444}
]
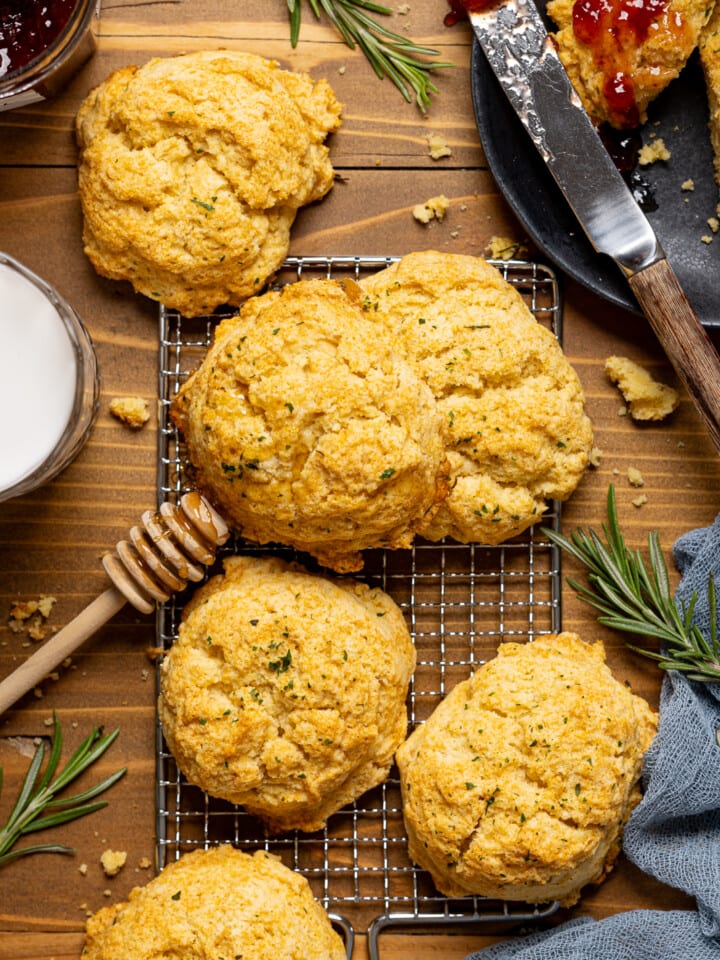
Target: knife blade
[{"x": 525, "y": 61}]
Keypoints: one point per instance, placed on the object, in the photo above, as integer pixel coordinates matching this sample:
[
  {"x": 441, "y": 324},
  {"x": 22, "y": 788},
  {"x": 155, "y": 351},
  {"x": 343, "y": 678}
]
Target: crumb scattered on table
[
  {"x": 113, "y": 861},
  {"x": 688, "y": 184},
  {"x": 647, "y": 399},
  {"x": 132, "y": 411},
  {"x": 594, "y": 458},
  {"x": 504, "y": 248},
  {"x": 639, "y": 501},
  {"x": 30, "y": 617},
  {"x": 635, "y": 478},
  {"x": 438, "y": 146},
  {"x": 433, "y": 209}
]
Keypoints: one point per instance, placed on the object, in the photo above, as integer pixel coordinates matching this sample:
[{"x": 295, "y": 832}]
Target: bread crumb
[
  {"x": 145, "y": 863},
  {"x": 29, "y": 616},
  {"x": 438, "y": 146},
  {"x": 113, "y": 861},
  {"x": 714, "y": 224},
  {"x": 504, "y": 248},
  {"x": 48, "y": 722},
  {"x": 35, "y": 629},
  {"x": 635, "y": 478},
  {"x": 622, "y": 411},
  {"x": 688, "y": 184},
  {"x": 107, "y": 892},
  {"x": 83, "y": 869},
  {"x": 706, "y": 238},
  {"x": 647, "y": 399},
  {"x": 341, "y": 70},
  {"x": 639, "y": 501},
  {"x": 403, "y": 9},
  {"x": 652, "y": 152},
  {"x": 434, "y": 208},
  {"x": 45, "y": 605},
  {"x": 594, "y": 458},
  {"x": 132, "y": 411}
]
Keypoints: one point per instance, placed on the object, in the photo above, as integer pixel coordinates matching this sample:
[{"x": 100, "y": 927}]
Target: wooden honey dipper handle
[{"x": 173, "y": 546}]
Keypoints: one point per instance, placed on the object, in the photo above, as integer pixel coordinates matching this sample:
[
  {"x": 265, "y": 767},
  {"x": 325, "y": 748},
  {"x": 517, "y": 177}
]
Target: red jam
[
  {"x": 459, "y": 9},
  {"x": 28, "y": 28},
  {"x": 613, "y": 29}
]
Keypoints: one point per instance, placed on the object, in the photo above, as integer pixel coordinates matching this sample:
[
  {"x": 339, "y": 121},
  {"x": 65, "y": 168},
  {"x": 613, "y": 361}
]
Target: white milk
[{"x": 38, "y": 377}]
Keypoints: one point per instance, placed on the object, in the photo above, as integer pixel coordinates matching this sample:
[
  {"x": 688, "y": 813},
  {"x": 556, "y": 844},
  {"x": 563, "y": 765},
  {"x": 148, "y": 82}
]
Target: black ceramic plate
[{"x": 679, "y": 116}]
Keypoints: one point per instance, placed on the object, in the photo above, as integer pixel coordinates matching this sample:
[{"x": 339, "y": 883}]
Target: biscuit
[
  {"x": 619, "y": 74},
  {"x": 519, "y": 783},
  {"x": 191, "y": 170},
  {"x": 709, "y": 46},
  {"x": 305, "y": 428},
  {"x": 285, "y": 690},
  {"x": 512, "y": 408},
  {"x": 185, "y": 912}
]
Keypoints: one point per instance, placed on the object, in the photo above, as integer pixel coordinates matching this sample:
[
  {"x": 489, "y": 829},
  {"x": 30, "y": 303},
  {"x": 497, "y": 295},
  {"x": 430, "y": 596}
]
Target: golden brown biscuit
[
  {"x": 519, "y": 783},
  {"x": 620, "y": 56},
  {"x": 709, "y": 45},
  {"x": 185, "y": 912},
  {"x": 192, "y": 169},
  {"x": 512, "y": 408},
  {"x": 305, "y": 428},
  {"x": 285, "y": 691}
]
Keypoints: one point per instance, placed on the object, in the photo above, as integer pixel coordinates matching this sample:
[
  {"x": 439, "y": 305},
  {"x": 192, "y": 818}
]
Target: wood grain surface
[{"x": 51, "y": 540}]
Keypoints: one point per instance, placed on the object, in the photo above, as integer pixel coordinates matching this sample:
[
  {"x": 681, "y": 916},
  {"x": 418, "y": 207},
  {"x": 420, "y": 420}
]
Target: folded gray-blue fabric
[{"x": 674, "y": 832}]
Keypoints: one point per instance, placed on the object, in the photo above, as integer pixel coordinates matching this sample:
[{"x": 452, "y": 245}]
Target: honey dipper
[{"x": 170, "y": 548}]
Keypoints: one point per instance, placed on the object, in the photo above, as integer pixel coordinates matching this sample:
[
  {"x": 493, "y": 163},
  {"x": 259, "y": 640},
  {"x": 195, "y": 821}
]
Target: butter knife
[{"x": 524, "y": 58}]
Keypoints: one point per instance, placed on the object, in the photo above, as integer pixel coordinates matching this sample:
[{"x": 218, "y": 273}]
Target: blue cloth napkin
[{"x": 674, "y": 832}]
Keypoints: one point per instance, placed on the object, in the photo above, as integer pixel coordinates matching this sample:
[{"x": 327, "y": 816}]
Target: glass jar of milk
[{"x": 49, "y": 381}]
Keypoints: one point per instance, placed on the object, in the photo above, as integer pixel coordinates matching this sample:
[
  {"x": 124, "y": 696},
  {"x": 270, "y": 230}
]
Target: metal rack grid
[{"x": 460, "y": 602}]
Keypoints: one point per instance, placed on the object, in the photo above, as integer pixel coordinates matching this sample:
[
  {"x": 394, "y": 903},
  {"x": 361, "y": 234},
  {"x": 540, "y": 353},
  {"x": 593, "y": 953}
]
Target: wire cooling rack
[{"x": 460, "y": 602}]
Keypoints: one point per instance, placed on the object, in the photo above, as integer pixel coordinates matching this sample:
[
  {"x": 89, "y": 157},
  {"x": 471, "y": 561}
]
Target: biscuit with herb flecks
[
  {"x": 512, "y": 408},
  {"x": 214, "y": 903},
  {"x": 305, "y": 427},
  {"x": 192, "y": 168},
  {"x": 620, "y": 55},
  {"x": 285, "y": 690},
  {"x": 518, "y": 785}
]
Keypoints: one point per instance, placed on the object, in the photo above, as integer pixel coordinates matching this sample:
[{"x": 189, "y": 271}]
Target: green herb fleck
[
  {"x": 201, "y": 203},
  {"x": 281, "y": 665}
]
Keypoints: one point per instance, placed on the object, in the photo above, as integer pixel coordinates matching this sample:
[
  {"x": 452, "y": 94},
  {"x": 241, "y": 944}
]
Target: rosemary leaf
[
  {"x": 39, "y": 806},
  {"x": 407, "y": 64},
  {"x": 634, "y": 596}
]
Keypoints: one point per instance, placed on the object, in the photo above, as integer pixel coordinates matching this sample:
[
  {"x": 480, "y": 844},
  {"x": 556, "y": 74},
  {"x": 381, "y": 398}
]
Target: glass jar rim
[{"x": 55, "y": 55}]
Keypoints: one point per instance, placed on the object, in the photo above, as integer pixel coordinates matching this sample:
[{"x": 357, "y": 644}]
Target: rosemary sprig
[
  {"x": 38, "y": 805},
  {"x": 390, "y": 54},
  {"x": 635, "y": 597}
]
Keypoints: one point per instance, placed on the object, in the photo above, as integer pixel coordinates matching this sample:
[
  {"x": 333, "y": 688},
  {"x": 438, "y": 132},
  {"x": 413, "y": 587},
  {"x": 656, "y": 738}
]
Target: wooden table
[{"x": 51, "y": 540}]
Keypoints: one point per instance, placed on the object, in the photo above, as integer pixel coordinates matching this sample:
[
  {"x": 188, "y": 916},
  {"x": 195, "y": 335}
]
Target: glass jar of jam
[{"x": 42, "y": 44}]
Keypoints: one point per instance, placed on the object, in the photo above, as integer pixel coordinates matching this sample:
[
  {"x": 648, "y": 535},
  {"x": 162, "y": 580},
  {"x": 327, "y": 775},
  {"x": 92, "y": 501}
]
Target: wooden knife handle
[{"x": 684, "y": 339}]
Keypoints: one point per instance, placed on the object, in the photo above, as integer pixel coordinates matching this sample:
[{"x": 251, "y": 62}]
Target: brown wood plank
[{"x": 51, "y": 541}]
